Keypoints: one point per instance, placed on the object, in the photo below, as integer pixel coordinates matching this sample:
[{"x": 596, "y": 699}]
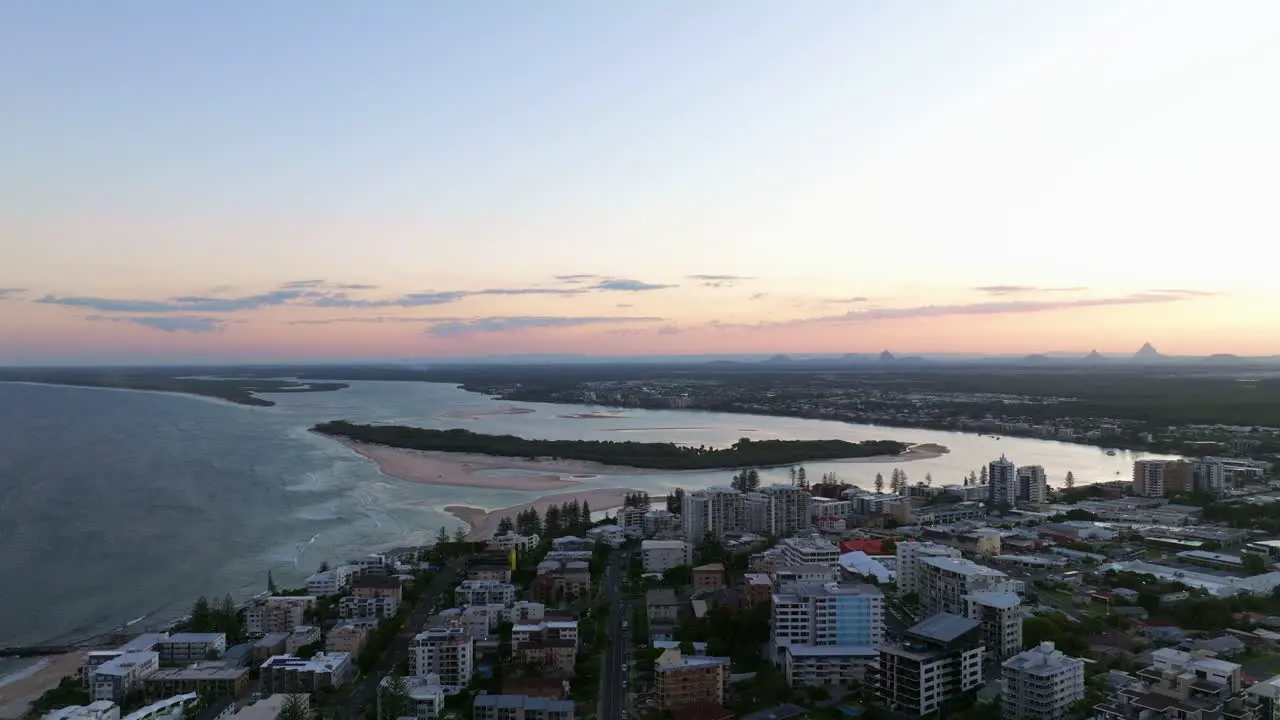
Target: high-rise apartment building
[
  {"x": 1208, "y": 476},
  {"x": 1148, "y": 478},
  {"x": 682, "y": 680},
  {"x": 1031, "y": 484},
  {"x": 1002, "y": 482},
  {"x": 999, "y": 616},
  {"x": 943, "y": 582},
  {"x": 828, "y": 614},
  {"x": 909, "y": 554},
  {"x": 713, "y": 511},
  {"x": 938, "y": 659},
  {"x": 786, "y": 509},
  {"x": 1041, "y": 684},
  {"x": 811, "y": 549}
]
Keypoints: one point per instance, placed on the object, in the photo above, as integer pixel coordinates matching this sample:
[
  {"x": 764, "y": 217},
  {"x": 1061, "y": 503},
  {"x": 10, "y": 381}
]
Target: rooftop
[
  {"x": 964, "y": 567},
  {"x": 781, "y": 712},
  {"x": 321, "y": 662},
  {"x": 195, "y": 638},
  {"x": 1044, "y": 658},
  {"x": 379, "y": 582},
  {"x": 943, "y": 627},
  {"x": 662, "y": 545},
  {"x": 522, "y": 701},
  {"x": 199, "y": 672},
  {"x": 996, "y": 599}
]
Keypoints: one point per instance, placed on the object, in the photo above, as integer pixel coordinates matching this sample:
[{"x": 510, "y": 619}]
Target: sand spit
[
  {"x": 16, "y": 697},
  {"x": 461, "y": 470},
  {"x": 484, "y": 523},
  {"x": 504, "y": 410}
]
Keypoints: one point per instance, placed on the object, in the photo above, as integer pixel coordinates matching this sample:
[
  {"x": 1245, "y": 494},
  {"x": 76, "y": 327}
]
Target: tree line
[
  {"x": 567, "y": 518},
  {"x": 663, "y": 456}
]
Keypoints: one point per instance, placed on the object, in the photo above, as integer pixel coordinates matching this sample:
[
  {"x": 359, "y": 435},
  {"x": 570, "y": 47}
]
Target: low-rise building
[
  {"x": 268, "y": 708},
  {"x": 206, "y": 680},
  {"x": 118, "y": 677},
  {"x": 524, "y": 612},
  {"x": 380, "y": 607},
  {"x": 346, "y": 638},
  {"x": 661, "y": 605},
  {"x": 662, "y": 555},
  {"x": 512, "y": 540},
  {"x": 708, "y": 577},
  {"x": 378, "y": 586},
  {"x": 520, "y": 707},
  {"x": 332, "y": 581},
  {"x": 291, "y": 674},
  {"x": 1041, "y": 684},
  {"x": 545, "y": 630},
  {"x": 425, "y": 694},
  {"x": 812, "y": 549},
  {"x": 556, "y": 657},
  {"x": 187, "y": 648},
  {"x": 277, "y": 614},
  {"x": 680, "y": 680},
  {"x": 302, "y": 636},
  {"x": 98, "y": 710},
  {"x": 1184, "y": 686},
  {"x": 484, "y": 592}
]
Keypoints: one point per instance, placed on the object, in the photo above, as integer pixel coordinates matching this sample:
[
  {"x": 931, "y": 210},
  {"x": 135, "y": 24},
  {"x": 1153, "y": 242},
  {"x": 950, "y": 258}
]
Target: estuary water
[{"x": 122, "y": 507}]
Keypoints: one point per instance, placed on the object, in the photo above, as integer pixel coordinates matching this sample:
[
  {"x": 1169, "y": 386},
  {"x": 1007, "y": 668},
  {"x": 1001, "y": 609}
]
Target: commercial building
[
  {"x": 1002, "y": 482},
  {"x": 484, "y": 592},
  {"x": 999, "y": 616},
  {"x": 944, "y": 581},
  {"x": 662, "y": 555},
  {"x": 446, "y": 652},
  {"x": 520, "y": 707},
  {"x": 681, "y": 680},
  {"x": 714, "y": 511},
  {"x": 187, "y": 648},
  {"x": 909, "y": 554},
  {"x": 812, "y": 549},
  {"x": 211, "y": 680},
  {"x": 849, "y": 617},
  {"x": 1032, "y": 485},
  {"x": 939, "y": 659},
  {"x": 1041, "y": 684},
  {"x": 290, "y": 674}
]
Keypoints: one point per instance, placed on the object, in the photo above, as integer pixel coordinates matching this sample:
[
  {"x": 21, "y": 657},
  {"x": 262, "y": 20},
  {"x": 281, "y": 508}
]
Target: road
[
  {"x": 365, "y": 692},
  {"x": 613, "y": 693}
]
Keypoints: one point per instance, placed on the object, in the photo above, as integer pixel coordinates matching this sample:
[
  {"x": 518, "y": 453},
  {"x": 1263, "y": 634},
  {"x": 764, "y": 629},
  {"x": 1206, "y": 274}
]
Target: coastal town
[{"x": 1000, "y": 597}]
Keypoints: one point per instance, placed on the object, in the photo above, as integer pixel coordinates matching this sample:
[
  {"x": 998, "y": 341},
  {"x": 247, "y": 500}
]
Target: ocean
[{"x": 120, "y": 508}]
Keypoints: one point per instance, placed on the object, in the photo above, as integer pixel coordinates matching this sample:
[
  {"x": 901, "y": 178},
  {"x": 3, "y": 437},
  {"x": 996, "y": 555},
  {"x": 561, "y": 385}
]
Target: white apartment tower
[
  {"x": 446, "y": 652},
  {"x": 786, "y": 509},
  {"x": 1041, "y": 684},
  {"x": 713, "y": 511},
  {"x": 909, "y": 554},
  {"x": 1031, "y": 484},
  {"x": 1002, "y": 482},
  {"x": 999, "y": 616},
  {"x": 939, "y": 659},
  {"x": 943, "y": 582}
]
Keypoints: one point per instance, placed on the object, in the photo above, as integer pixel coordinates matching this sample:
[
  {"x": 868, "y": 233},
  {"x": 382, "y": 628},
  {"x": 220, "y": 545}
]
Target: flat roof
[
  {"x": 802, "y": 650},
  {"x": 196, "y": 672},
  {"x": 996, "y": 599},
  {"x": 960, "y": 566},
  {"x": 943, "y": 627}
]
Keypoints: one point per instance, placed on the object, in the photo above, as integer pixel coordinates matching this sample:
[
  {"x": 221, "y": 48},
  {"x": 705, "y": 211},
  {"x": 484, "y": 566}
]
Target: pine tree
[
  {"x": 879, "y": 483},
  {"x": 442, "y": 536},
  {"x": 973, "y": 478},
  {"x": 505, "y": 525},
  {"x": 1071, "y": 480},
  {"x": 802, "y": 477},
  {"x": 271, "y": 583},
  {"x": 460, "y": 534},
  {"x": 982, "y": 478},
  {"x": 928, "y": 478},
  {"x": 201, "y": 619},
  {"x": 753, "y": 479},
  {"x": 793, "y": 474},
  {"x": 675, "y": 500},
  {"x": 393, "y": 697},
  {"x": 552, "y": 521},
  {"x": 586, "y": 514}
]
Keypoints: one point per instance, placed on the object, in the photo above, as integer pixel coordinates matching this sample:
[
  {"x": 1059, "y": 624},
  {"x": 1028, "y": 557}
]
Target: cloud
[
  {"x": 577, "y": 278},
  {"x": 10, "y": 292},
  {"x": 167, "y": 324},
  {"x": 377, "y": 320},
  {"x": 719, "y": 280},
  {"x": 342, "y": 300},
  {"x": 1023, "y": 289},
  {"x": 758, "y": 296},
  {"x": 177, "y": 304},
  {"x": 1187, "y": 293},
  {"x": 299, "y": 284},
  {"x": 847, "y": 300},
  {"x": 531, "y": 291},
  {"x": 994, "y": 307},
  {"x": 624, "y": 285},
  {"x": 513, "y": 324},
  {"x": 313, "y": 284}
]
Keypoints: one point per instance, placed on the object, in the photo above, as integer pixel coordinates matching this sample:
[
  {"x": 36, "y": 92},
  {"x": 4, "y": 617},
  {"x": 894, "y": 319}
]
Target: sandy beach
[
  {"x": 16, "y": 697},
  {"x": 461, "y": 470},
  {"x": 484, "y": 523}
]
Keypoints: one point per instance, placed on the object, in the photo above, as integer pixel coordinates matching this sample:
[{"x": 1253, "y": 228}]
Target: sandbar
[
  {"x": 473, "y": 414},
  {"x": 592, "y": 416},
  {"x": 924, "y": 451},
  {"x": 16, "y": 697},
  {"x": 461, "y": 469},
  {"x": 484, "y": 523}
]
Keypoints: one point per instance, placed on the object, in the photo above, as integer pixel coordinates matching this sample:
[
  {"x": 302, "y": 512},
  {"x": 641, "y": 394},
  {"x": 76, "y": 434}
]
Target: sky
[{"x": 248, "y": 181}]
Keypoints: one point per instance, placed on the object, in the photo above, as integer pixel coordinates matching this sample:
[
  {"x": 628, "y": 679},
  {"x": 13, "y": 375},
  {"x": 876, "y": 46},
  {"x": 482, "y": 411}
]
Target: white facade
[
  {"x": 850, "y": 615},
  {"x": 1002, "y": 482},
  {"x": 786, "y": 510},
  {"x": 660, "y": 522},
  {"x": 1031, "y": 484},
  {"x": 446, "y": 652},
  {"x": 332, "y": 581},
  {"x": 100, "y": 710},
  {"x": 280, "y": 613},
  {"x": 713, "y": 511},
  {"x": 944, "y": 582},
  {"x": 1148, "y": 478},
  {"x": 484, "y": 592},
  {"x": 115, "y": 679},
  {"x": 1209, "y": 476},
  {"x": 809, "y": 550},
  {"x": 187, "y": 648},
  {"x": 524, "y": 612},
  {"x": 382, "y": 606},
  {"x": 514, "y": 541},
  {"x": 1041, "y": 684},
  {"x": 909, "y": 554},
  {"x": 662, "y": 555}
]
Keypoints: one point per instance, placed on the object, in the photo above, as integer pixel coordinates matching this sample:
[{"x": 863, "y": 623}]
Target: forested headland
[{"x": 658, "y": 456}]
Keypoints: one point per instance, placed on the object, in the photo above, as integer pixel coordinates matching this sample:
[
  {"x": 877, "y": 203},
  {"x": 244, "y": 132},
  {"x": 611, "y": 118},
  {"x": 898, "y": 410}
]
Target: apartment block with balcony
[
  {"x": 1041, "y": 684},
  {"x": 714, "y": 511},
  {"x": 999, "y": 616},
  {"x": 446, "y": 652},
  {"x": 187, "y": 648},
  {"x": 909, "y": 554},
  {"x": 290, "y": 674},
  {"x": 377, "y": 586},
  {"x": 379, "y": 607},
  {"x": 812, "y": 549},
  {"x": 212, "y": 680},
  {"x": 277, "y": 614},
  {"x": 332, "y": 581},
  {"x": 827, "y": 634},
  {"x": 484, "y": 592},
  {"x": 520, "y": 707},
  {"x": 938, "y": 659},
  {"x": 681, "y": 680},
  {"x": 944, "y": 581},
  {"x": 116, "y": 678},
  {"x": 662, "y": 555}
]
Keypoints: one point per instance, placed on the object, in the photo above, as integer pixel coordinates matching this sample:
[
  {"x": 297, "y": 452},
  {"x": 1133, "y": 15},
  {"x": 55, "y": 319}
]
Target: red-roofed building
[{"x": 870, "y": 547}]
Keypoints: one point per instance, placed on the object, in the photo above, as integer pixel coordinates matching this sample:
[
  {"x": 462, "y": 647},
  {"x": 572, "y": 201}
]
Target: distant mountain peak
[
  {"x": 1094, "y": 355},
  {"x": 887, "y": 356},
  {"x": 779, "y": 359},
  {"x": 1148, "y": 351}
]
